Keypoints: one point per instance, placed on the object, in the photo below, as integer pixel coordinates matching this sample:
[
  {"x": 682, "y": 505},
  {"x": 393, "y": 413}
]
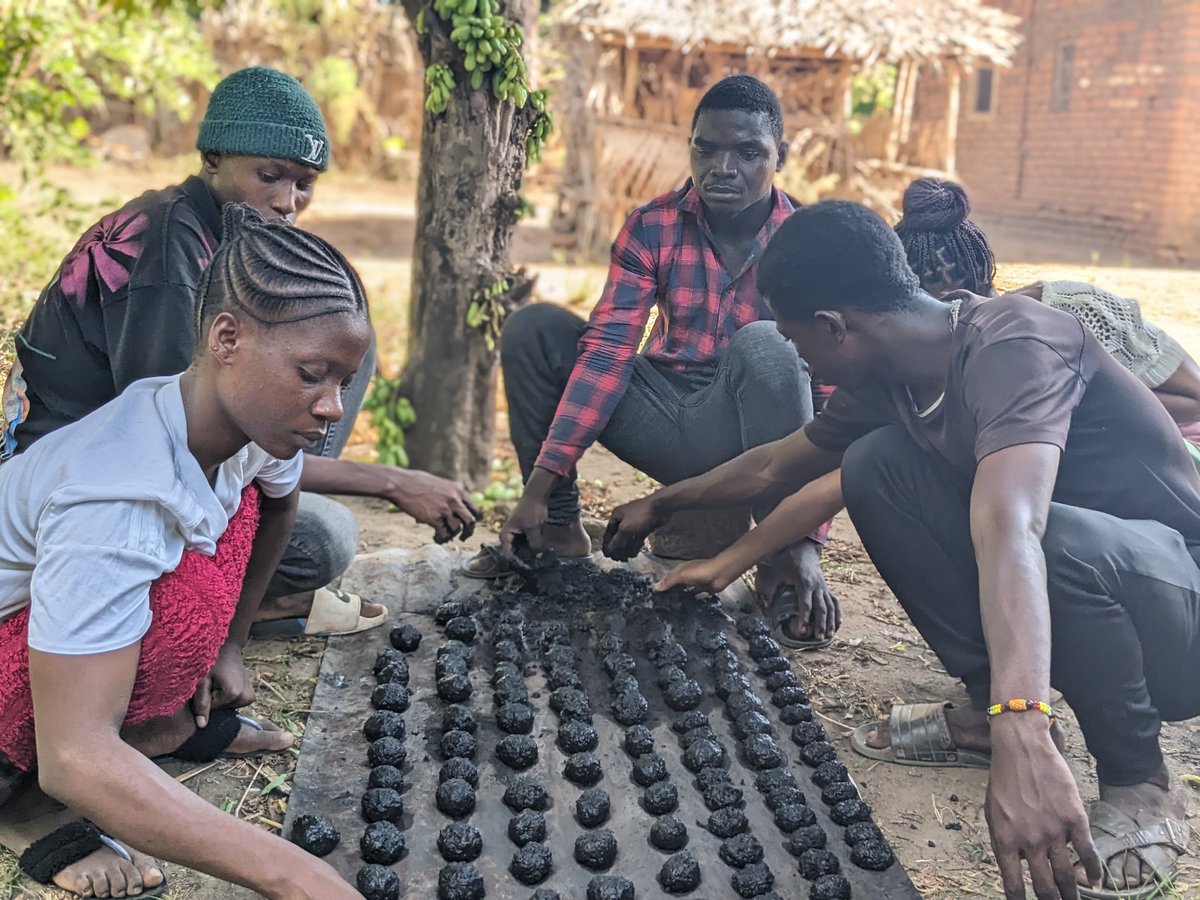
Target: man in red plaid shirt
[{"x": 714, "y": 378}]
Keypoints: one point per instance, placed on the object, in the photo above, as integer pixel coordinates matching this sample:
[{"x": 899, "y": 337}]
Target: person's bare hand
[
  {"x": 226, "y": 686},
  {"x": 527, "y": 519},
  {"x": 315, "y": 880},
  {"x": 700, "y": 575},
  {"x": 627, "y": 530},
  {"x": 818, "y": 612},
  {"x": 1034, "y": 812},
  {"x": 442, "y": 504}
]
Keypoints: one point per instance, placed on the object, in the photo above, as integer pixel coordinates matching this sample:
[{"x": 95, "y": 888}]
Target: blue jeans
[
  {"x": 670, "y": 425},
  {"x": 325, "y": 536}
]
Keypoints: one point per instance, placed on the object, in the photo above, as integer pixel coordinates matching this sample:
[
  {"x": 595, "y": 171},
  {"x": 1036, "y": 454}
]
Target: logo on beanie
[{"x": 316, "y": 147}]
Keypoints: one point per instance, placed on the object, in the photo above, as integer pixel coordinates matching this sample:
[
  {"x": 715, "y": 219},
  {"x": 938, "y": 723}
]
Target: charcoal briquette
[
  {"x": 526, "y": 793},
  {"x": 740, "y": 851},
  {"x": 769, "y": 665},
  {"x": 703, "y": 733},
  {"x": 680, "y": 874},
  {"x": 778, "y": 680},
  {"x": 828, "y": 773},
  {"x": 405, "y": 638},
  {"x": 668, "y": 653},
  {"x": 386, "y": 777},
  {"x": 395, "y": 672},
  {"x": 763, "y": 753},
  {"x": 766, "y": 782},
  {"x": 669, "y": 675},
  {"x": 638, "y": 740},
  {"x": 849, "y": 811},
  {"x": 459, "y": 767},
  {"x": 649, "y": 769},
  {"x": 711, "y": 641},
  {"x": 517, "y": 751},
  {"x": 451, "y": 609},
  {"x": 793, "y": 816},
  {"x": 460, "y": 881},
  {"x": 508, "y": 652},
  {"x": 459, "y": 649},
  {"x": 611, "y": 643},
  {"x": 384, "y": 723},
  {"x": 382, "y": 805},
  {"x": 545, "y": 894},
  {"x": 815, "y": 863},
  {"x": 684, "y": 695},
  {"x": 376, "y": 882},
  {"x": 610, "y": 887},
  {"x": 577, "y": 737},
  {"x": 837, "y": 792},
  {"x": 315, "y": 835},
  {"x": 526, "y": 827},
  {"x": 532, "y": 864},
  {"x": 571, "y": 703},
  {"x": 660, "y": 798},
  {"x": 711, "y": 777},
  {"x": 383, "y": 658},
  {"x": 630, "y": 708},
  {"x": 561, "y": 677},
  {"x": 450, "y": 665},
  {"x": 762, "y": 646},
  {"x": 795, "y": 713},
  {"x": 456, "y": 798},
  {"x": 784, "y": 796},
  {"x": 555, "y": 633},
  {"x": 462, "y": 628},
  {"x": 719, "y": 796},
  {"x": 514, "y": 718},
  {"x": 623, "y": 684},
  {"x": 454, "y": 688},
  {"x": 510, "y": 690},
  {"x": 752, "y": 723},
  {"x": 394, "y": 697},
  {"x": 593, "y": 807},
  {"x": 458, "y": 743},
  {"x": 726, "y": 662},
  {"x": 874, "y": 855},
  {"x": 615, "y": 663},
  {"x": 750, "y": 626},
  {"x": 732, "y": 683},
  {"x": 817, "y": 752},
  {"x": 830, "y": 887},
  {"x": 382, "y": 843},
  {"x": 560, "y": 655},
  {"x": 596, "y": 849},
  {"x": 505, "y": 670},
  {"x": 753, "y": 881},
  {"x": 810, "y": 837},
  {"x": 727, "y": 822},
  {"x": 689, "y": 720},
  {"x": 741, "y": 702},
  {"x": 703, "y": 754},
  {"x": 862, "y": 831},
  {"x": 669, "y": 834},
  {"x": 788, "y": 695},
  {"x": 583, "y": 769},
  {"x": 509, "y": 631},
  {"x": 458, "y": 718}
]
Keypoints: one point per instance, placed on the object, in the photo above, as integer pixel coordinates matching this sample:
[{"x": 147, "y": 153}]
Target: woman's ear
[{"x": 224, "y": 335}]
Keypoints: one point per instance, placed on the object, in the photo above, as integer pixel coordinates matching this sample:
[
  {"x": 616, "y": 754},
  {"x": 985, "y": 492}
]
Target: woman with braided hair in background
[
  {"x": 950, "y": 253},
  {"x": 135, "y": 548}
]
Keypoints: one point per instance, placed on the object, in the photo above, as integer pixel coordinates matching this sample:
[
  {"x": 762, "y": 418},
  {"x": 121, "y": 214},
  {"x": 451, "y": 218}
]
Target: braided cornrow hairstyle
[
  {"x": 943, "y": 245},
  {"x": 276, "y": 274}
]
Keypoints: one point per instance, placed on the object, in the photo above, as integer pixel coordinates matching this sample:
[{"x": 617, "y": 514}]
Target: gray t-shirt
[{"x": 1024, "y": 373}]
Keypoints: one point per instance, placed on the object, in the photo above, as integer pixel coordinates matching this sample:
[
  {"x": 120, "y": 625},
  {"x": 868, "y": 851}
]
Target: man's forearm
[
  {"x": 323, "y": 475},
  {"x": 276, "y": 519}
]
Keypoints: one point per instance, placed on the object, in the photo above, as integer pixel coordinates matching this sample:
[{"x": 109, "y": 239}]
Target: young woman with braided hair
[
  {"x": 949, "y": 253},
  {"x": 135, "y": 547}
]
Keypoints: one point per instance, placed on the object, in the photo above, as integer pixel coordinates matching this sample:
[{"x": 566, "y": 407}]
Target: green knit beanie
[{"x": 263, "y": 112}]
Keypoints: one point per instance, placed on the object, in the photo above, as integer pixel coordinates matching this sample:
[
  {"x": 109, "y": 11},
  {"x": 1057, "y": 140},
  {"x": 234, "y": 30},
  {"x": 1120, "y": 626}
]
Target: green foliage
[
  {"x": 391, "y": 416},
  {"x": 333, "y": 83},
  {"x": 487, "y": 311},
  {"x": 504, "y": 488},
  {"x": 873, "y": 89}
]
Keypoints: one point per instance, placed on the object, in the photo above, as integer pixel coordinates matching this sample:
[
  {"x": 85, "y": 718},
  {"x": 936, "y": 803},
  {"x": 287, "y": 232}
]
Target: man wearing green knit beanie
[{"x": 121, "y": 308}]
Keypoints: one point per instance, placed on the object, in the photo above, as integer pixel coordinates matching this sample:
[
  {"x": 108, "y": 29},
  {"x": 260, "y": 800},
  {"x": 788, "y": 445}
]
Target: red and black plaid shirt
[{"x": 663, "y": 256}]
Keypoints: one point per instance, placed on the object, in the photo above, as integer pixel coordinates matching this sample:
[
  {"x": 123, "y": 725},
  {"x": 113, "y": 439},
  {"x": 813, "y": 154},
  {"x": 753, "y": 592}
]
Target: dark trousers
[
  {"x": 669, "y": 425},
  {"x": 1124, "y": 598}
]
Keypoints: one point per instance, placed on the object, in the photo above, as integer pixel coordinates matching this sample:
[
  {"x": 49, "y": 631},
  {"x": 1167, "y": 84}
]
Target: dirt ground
[{"x": 934, "y": 817}]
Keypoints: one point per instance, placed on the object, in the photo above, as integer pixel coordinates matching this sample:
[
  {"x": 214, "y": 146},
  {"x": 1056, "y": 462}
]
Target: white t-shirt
[{"x": 92, "y": 514}]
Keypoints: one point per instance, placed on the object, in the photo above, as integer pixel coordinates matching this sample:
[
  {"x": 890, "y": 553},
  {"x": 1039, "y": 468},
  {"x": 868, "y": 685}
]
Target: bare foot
[
  {"x": 1145, "y": 803},
  {"x": 271, "y": 739},
  {"x": 567, "y": 540},
  {"x": 968, "y": 729},
  {"x": 162, "y": 737},
  {"x": 32, "y": 815},
  {"x": 297, "y": 606}
]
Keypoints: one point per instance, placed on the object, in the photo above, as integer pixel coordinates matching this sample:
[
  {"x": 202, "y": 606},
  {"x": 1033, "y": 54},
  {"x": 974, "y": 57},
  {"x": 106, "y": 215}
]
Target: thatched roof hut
[{"x": 637, "y": 68}]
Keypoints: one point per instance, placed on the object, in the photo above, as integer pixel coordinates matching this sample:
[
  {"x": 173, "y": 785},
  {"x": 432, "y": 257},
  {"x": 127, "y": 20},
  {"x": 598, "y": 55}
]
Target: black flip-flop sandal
[
  {"x": 67, "y": 845},
  {"x": 211, "y": 742}
]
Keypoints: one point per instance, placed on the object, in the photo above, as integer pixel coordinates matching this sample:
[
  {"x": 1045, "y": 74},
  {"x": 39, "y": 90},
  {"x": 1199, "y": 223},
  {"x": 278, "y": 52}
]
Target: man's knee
[
  {"x": 325, "y": 537},
  {"x": 764, "y": 367},
  {"x": 534, "y": 327}
]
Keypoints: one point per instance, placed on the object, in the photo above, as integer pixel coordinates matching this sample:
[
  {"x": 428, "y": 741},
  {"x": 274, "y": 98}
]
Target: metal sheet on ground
[{"x": 332, "y": 771}]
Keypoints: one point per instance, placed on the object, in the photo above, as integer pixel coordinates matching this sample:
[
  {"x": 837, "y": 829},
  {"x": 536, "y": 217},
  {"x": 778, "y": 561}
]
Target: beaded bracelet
[{"x": 1019, "y": 705}]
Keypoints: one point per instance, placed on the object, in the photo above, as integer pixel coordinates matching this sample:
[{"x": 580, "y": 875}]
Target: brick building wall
[{"x": 1092, "y": 137}]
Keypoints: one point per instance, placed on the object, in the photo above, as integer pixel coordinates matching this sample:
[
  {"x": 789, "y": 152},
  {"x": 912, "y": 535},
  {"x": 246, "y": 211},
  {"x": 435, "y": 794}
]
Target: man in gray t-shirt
[{"x": 1034, "y": 511}]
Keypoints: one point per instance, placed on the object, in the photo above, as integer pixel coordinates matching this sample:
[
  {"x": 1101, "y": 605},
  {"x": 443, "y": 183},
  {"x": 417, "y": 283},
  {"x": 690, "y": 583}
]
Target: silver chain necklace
[{"x": 955, "y": 307}]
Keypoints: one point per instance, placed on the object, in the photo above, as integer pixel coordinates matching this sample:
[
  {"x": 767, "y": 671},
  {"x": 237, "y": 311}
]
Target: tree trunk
[{"x": 472, "y": 162}]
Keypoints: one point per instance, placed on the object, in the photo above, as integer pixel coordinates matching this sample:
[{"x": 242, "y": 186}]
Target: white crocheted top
[{"x": 1145, "y": 349}]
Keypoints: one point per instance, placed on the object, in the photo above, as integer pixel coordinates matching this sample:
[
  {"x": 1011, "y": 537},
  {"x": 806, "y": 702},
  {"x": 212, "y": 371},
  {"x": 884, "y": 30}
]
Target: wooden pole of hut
[{"x": 953, "y": 104}]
